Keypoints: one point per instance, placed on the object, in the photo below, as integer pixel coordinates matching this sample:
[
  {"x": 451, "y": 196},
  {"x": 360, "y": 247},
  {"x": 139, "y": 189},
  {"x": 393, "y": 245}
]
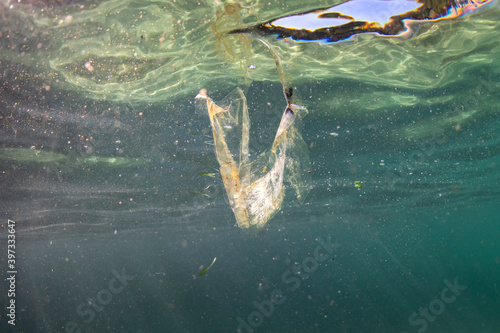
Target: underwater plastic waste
[{"x": 256, "y": 188}]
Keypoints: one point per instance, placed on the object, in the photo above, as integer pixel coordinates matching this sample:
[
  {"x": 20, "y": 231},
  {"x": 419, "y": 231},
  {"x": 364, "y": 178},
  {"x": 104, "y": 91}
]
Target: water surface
[{"x": 104, "y": 161}]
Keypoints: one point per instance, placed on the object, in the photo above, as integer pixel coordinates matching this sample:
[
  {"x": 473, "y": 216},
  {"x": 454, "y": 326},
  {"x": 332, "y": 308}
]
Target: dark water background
[
  {"x": 101, "y": 190},
  {"x": 429, "y": 214}
]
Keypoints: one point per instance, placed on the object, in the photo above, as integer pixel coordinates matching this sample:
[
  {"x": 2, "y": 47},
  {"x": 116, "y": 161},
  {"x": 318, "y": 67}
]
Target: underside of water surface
[{"x": 131, "y": 204}]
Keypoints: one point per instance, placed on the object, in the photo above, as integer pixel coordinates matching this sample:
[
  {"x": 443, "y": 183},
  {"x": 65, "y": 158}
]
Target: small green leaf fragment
[
  {"x": 206, "y": 174},
  {"x": 206, "y": 269}
]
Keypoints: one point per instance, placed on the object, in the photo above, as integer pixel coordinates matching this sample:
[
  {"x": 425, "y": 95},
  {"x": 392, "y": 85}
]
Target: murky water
[{"x": 110, "y": 174}]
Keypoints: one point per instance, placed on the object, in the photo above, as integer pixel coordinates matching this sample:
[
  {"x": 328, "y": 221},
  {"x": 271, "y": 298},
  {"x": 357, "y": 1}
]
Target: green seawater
[{"x": 104, "y": 162}]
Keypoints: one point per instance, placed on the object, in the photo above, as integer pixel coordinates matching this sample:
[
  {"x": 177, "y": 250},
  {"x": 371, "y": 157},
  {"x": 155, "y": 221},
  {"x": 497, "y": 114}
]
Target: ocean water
[{"x": 110, "y": 181}]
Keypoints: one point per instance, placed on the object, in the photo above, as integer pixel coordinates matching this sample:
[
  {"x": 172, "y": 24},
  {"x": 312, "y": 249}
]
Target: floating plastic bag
[{"x": 256, "y": 188}]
